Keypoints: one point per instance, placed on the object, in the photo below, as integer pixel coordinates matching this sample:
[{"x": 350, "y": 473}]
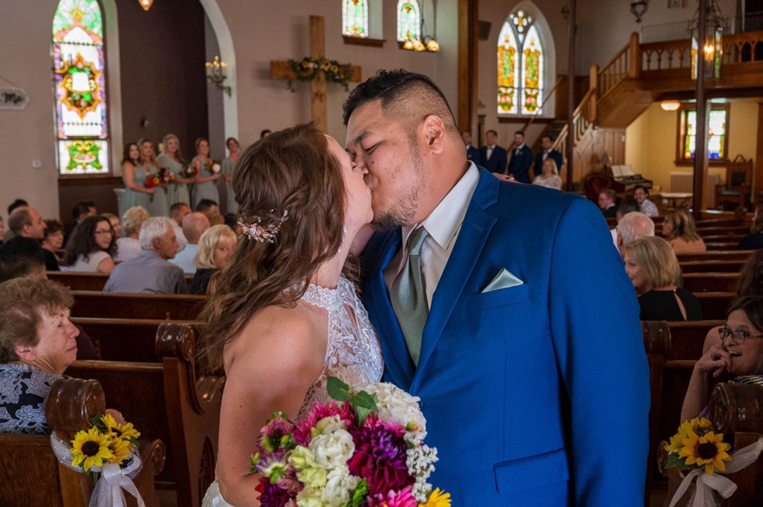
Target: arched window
[
  {"x": 80, "y": 92},
  {"x": 408, "y": 20},
  {"x": 355, "y": 18},
  {"x": 521, "y": 60}
]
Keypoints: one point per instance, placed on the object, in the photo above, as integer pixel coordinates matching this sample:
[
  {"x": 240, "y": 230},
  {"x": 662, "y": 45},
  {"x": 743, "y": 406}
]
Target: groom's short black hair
[{"x": 413, "y": 93}]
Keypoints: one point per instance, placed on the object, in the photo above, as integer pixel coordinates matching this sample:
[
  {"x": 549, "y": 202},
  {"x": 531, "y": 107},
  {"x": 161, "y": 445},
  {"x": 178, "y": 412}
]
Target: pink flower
[
  {"x": 303, "y": 435},
  {"x": 380, "y": 456},
  {"x": 394, "y": 499}
]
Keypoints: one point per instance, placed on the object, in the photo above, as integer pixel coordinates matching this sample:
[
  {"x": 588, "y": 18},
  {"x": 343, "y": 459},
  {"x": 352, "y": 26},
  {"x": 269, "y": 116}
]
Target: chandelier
[{"x": 711, "y": 48}]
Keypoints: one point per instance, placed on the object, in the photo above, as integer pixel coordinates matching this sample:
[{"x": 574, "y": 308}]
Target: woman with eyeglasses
[
  {"x": 740, "y": 354},
  {"x": 92, "y": 247}
]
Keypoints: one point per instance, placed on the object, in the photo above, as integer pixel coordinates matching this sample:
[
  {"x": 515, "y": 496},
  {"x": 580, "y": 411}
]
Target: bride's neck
[{"x": 328, "y": 274}]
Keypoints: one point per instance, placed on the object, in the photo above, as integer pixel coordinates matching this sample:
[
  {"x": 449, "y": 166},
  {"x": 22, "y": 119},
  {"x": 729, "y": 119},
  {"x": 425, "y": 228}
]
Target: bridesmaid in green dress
[
  {"x": 172, "y": 160},
  {"x": 157, "y": 206},
  {"x": 134, "y": 178},
  {"x": 206, "y": 179},
  {"x": 235, "y": 152}
]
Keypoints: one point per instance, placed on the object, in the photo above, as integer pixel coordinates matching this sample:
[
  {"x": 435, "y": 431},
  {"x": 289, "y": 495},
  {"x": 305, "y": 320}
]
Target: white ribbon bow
[
  {"x": 108, "y": 490},
  {"x": 707, "y": 484}
]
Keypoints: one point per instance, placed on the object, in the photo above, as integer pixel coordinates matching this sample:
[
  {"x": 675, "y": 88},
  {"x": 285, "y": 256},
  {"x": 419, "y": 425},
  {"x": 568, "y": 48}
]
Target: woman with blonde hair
[
  {"x": 549, "y": 177},
  {"x": 681, "y": 232},
  {"x": 172, "y": 160},
  {"x": 157, "y": 206},
  {"x": 653, "y": 268},
  {"x": 128, "y": 247},
  {"x": 216, "y": 248}
]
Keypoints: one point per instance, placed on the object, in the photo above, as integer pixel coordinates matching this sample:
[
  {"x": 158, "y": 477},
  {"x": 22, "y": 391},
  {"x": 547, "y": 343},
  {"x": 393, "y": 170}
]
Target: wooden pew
[
  {"x": 710, "y": 282},
  {"x": 656, "y": 337},
  {"x": 172, "y": 401},
  {"x": 715, "y": 304},
  {"x": 730, "y": 255},
  {"x": 724, "y": 231},
  {"x": 32, "y": 474},
  {"x": 711, "y": 266},
  {"x": 130, "y": 306},
  {"x": 87, "y": 281},
  {"x": 720, "y": 222},
  {"x": 730, "y": 238},
  {"x": 688, "y": 338},
  {"x": 722, "y": 246}
]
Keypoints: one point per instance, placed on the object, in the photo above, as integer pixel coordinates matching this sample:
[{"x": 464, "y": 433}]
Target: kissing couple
[{"x": 504, "y": 307}]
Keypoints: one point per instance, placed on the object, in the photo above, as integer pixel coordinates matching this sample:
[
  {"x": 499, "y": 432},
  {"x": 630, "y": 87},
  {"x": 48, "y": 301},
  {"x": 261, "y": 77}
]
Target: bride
[{"x": 284, "y": 315}]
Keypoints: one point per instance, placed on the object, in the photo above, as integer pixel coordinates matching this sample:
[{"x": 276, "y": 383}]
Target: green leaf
[
  {"x": 362, "y": 415},
  {"x": 365, "y": 400},
  {"x": 360, "y": 496},
  {"x": 337, "y": 389},
  {"x": 674, "y": 461}
]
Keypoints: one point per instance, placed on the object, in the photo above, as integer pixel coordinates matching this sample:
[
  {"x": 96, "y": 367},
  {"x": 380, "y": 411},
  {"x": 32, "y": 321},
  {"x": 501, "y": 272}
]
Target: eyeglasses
[
  {"x": 103, "y": 233},
  {"x": 737, "y": 337}
]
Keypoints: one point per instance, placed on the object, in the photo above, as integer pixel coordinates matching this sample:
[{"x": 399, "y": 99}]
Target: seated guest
[
  {"x": 607, "y": 203},
  {"x": 493, "y": 157},
  {"x": 472, "y": 153},
  {"x": 80, "y": 212},
  {"x": 29, "y": 229},
  {"x": 150, "y": 272},
  {"x": 627, "y": 205},
  {"x": 653, "y": 268},
  {"x": 549, "y": 178},
  {"x": 18, "y": 203},
  {"x": 632, "y": 227},
  {"x": 740, "y": 353},
  {"x": 231, "y": 221},
  {"x": 129, "y": 246},
  {"x": 37, "y": 345},
  {"x": 647, "y": 207},
  {"x": 521, "y": 159},
  {"x": 92, "y": 247},
  {"x": 215, "y": 219},
  {"x": 216, "y": 248},
  {"x": 29, "y": 267},
  {"x": 194, "y": 225},
  {"x": 115, "y": 223},
  {"x": 754, "y": 240},
  {"x": 178, "y": 211},
  {"x": 206, "y": 206},
  {"x": 53, "y": 239},
  {"x": 680, "y": 231},
  {"x": 547, "y": 144}
]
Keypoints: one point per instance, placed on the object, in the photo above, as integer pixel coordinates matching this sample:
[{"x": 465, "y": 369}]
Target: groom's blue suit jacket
[{"x": 535, "y": 395}]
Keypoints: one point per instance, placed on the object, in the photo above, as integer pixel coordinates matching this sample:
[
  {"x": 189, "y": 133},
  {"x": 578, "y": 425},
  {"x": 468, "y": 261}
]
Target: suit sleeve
[
  {"x": 181, "y": 287},
  {"x": 598, "y": 342}
]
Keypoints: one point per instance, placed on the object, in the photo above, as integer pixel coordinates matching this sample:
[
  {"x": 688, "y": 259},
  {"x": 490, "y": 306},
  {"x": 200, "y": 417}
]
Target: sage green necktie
[{"x": 408, "y": 297}]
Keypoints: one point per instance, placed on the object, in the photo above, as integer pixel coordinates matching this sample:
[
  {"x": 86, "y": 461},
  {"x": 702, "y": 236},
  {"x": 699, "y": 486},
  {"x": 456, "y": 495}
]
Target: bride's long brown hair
[{"x": 291, "y": 170}]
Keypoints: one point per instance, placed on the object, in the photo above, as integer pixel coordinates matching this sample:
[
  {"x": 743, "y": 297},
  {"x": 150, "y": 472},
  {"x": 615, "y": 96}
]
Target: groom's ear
[{"x": 434, "y": 133}]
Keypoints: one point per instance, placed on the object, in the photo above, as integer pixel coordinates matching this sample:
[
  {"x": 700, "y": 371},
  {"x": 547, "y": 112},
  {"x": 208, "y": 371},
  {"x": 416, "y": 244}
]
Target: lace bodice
[{"x": 353, "y": 353}]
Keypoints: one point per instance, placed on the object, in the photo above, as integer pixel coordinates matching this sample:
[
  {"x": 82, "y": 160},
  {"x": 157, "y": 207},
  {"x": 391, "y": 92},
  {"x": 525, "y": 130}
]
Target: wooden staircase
[{"x": 640, "y": 74}]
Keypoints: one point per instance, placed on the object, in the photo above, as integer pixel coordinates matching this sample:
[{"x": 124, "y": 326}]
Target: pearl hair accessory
[{"x": 263, "y": 234}]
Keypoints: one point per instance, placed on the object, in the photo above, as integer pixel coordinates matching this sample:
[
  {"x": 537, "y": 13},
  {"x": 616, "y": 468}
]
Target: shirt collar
[
  {"x": 491, "y": 146},
  {"x": 520, "y": 146},
  {"x": 444, "y": 221}
]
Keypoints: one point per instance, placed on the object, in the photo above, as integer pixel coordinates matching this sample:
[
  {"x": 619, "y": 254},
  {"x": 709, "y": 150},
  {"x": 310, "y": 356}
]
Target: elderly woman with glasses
[
  {"x": 92, "y": 247},
  {"x": 740, "y": 354}
]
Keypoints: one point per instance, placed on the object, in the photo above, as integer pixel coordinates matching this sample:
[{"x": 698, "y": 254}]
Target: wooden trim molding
[
  {"x": 523, "y": 119},
  {"x": 468, "y": 56},
  {"x": 88, "y": 179},
  {"x": 364, "y": 41}
]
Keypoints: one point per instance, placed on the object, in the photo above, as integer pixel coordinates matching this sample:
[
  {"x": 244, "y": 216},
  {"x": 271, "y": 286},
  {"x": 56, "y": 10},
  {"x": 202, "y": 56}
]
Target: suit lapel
[
  {"x": 471, "y": 240},
  {"x": 399, "y": 363}
]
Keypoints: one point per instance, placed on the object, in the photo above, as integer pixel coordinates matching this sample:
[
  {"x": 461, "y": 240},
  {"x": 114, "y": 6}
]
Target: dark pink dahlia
[
  {"x": 271, "y": 495},
  {"x": 380, "y": 456},
  {"x": 303, "y": 435}
]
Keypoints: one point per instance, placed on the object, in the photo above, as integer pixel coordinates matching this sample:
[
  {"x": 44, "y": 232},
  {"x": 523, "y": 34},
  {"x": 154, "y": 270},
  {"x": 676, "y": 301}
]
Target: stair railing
[
  {"x": 582, "y": 120},
  {"x": 559, "y": 79},
  {"x": 626, "y": 63}
]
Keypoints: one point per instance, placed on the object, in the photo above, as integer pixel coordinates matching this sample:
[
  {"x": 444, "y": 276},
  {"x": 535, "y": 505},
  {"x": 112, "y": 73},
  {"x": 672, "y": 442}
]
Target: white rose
[
  {"x": 334, "y": 449},
  {"x": 340, "y": 486},
  {"x": 396, "y": 405},
  {"x": 216, "y": 168}
]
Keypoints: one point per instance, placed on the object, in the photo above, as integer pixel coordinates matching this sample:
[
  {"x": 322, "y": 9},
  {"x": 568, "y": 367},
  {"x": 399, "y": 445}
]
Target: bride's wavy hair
[{"x": 289, "y": 171}]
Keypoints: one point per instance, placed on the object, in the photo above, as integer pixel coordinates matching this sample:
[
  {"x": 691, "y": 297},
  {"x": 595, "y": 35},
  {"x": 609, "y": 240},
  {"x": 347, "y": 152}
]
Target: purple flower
[
  {"x": 271, "y": 495},
  {"x": 274, "y": 431},
  {"x": 394, "y": 499},
  {"x": 380, "y": 454}
]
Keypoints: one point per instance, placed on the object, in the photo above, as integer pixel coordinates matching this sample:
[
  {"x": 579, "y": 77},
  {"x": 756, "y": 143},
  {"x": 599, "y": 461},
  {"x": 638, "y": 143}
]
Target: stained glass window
[
  {"x": 717, "y": 141},
  {"x": 80, "y": 89},
  {"x": 355, "y": 18},
  {"x": 408, "y": 20},
  {"x": 520, "y": 66}
]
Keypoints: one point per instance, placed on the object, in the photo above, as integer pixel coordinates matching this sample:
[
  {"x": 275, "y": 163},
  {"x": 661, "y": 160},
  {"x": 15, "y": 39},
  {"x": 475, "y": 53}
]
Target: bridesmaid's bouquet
[
  {"x": 213, "y": 167},
  {"x": 189, "y": 172},
  {"x": 152, "y": 181},
  {"x": 166, "y": 176},
  {"x": 364, "y": 448}
]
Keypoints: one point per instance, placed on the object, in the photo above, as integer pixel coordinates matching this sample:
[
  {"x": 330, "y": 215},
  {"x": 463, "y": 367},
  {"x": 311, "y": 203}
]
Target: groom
[{"x": 505, "y": 308}]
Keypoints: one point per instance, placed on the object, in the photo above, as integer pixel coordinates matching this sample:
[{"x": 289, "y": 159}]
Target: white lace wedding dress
[{"x": 353, "y": 353}]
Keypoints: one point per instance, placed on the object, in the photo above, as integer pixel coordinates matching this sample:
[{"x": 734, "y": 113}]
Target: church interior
[{"x": 656, "y": 104}]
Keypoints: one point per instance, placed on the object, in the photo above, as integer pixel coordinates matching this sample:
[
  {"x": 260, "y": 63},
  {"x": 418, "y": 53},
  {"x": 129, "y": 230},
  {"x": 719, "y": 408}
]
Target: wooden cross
[{"x": 283, "y": 70}]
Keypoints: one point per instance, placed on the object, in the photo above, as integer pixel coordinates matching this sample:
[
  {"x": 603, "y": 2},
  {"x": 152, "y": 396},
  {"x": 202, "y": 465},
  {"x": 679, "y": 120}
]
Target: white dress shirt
[
  {"x": 489, "y": 150},
  {"x": 649, "y": 208},
  {"x": 443, "y": 226},
  {"x": 185, "y": 259}
]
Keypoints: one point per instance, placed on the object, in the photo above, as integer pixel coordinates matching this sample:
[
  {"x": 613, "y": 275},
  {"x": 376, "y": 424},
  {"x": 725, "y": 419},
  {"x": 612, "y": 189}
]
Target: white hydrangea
[
  {"x": 340, "y": 487},
  {"x": 396, "y": 405},
  {"x": 420, "y": 462},
  {"x": 333, "y": 446}
]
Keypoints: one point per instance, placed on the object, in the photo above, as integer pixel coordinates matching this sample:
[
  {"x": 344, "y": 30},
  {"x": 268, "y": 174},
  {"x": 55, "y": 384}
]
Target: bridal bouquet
[{"x": 364, "y": 448}]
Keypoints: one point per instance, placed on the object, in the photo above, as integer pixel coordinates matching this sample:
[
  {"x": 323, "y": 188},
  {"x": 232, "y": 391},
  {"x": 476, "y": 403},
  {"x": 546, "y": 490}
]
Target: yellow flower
[
  {"x": 119, "y": 449},
  {"x": 676, "y": 441},
  {"x": 438, "y": 498},
  {"x": 334, "y": 68},
  {"x": 708, "y": 451},
  {"x": 120, "y": 431},
  {"x": 90, "y": 447}
]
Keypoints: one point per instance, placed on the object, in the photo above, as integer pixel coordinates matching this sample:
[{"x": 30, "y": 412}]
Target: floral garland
[{"x": 308, "y": 68}]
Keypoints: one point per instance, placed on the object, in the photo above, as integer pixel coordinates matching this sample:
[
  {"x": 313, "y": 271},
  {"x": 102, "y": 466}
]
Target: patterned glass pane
[
  {"x": 508, "y": 75},
  {"x": 691, "y": 134},
  {"x": 80, "y": 91},
  {"x": 532, "y": 72},
  {"x": 408, "y": 20},
  {"x": 82, "y": 156},
  {"x": 355, "y": 18},
  {"x": 716, "y": 134}
]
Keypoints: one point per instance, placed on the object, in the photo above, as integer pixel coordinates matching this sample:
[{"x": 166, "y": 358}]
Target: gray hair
[
  {"x": 151, "y": 229},
  {"x": 635, "y": 226}
]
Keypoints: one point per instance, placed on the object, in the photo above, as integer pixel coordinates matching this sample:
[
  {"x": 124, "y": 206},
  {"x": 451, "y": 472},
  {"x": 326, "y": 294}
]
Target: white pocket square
[{"x": 503, "y": 280}]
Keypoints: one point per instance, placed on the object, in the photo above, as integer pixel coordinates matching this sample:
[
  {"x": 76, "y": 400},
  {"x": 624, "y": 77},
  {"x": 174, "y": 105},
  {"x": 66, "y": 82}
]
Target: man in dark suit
[
  {"x": 521, "y": 159},
  {"x": 80, "y": 211},
  {"x": 546, "y": 143},
  {"x": 472, "y": 153},
  {"x": 607, "y": 203},
  {"x": 492, "y": 156}
]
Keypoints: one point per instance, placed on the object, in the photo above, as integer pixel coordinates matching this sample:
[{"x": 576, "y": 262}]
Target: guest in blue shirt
[
  {"x": 472, "y": 153},
  {"x": 521, "y": 159},
  {"x": 547, "y": 143},
  {"x": 492, "y": 156}
]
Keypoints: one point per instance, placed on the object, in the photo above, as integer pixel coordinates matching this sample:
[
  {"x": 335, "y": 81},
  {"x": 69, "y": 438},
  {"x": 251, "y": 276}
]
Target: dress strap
[{"x": 322, "y": 297}]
